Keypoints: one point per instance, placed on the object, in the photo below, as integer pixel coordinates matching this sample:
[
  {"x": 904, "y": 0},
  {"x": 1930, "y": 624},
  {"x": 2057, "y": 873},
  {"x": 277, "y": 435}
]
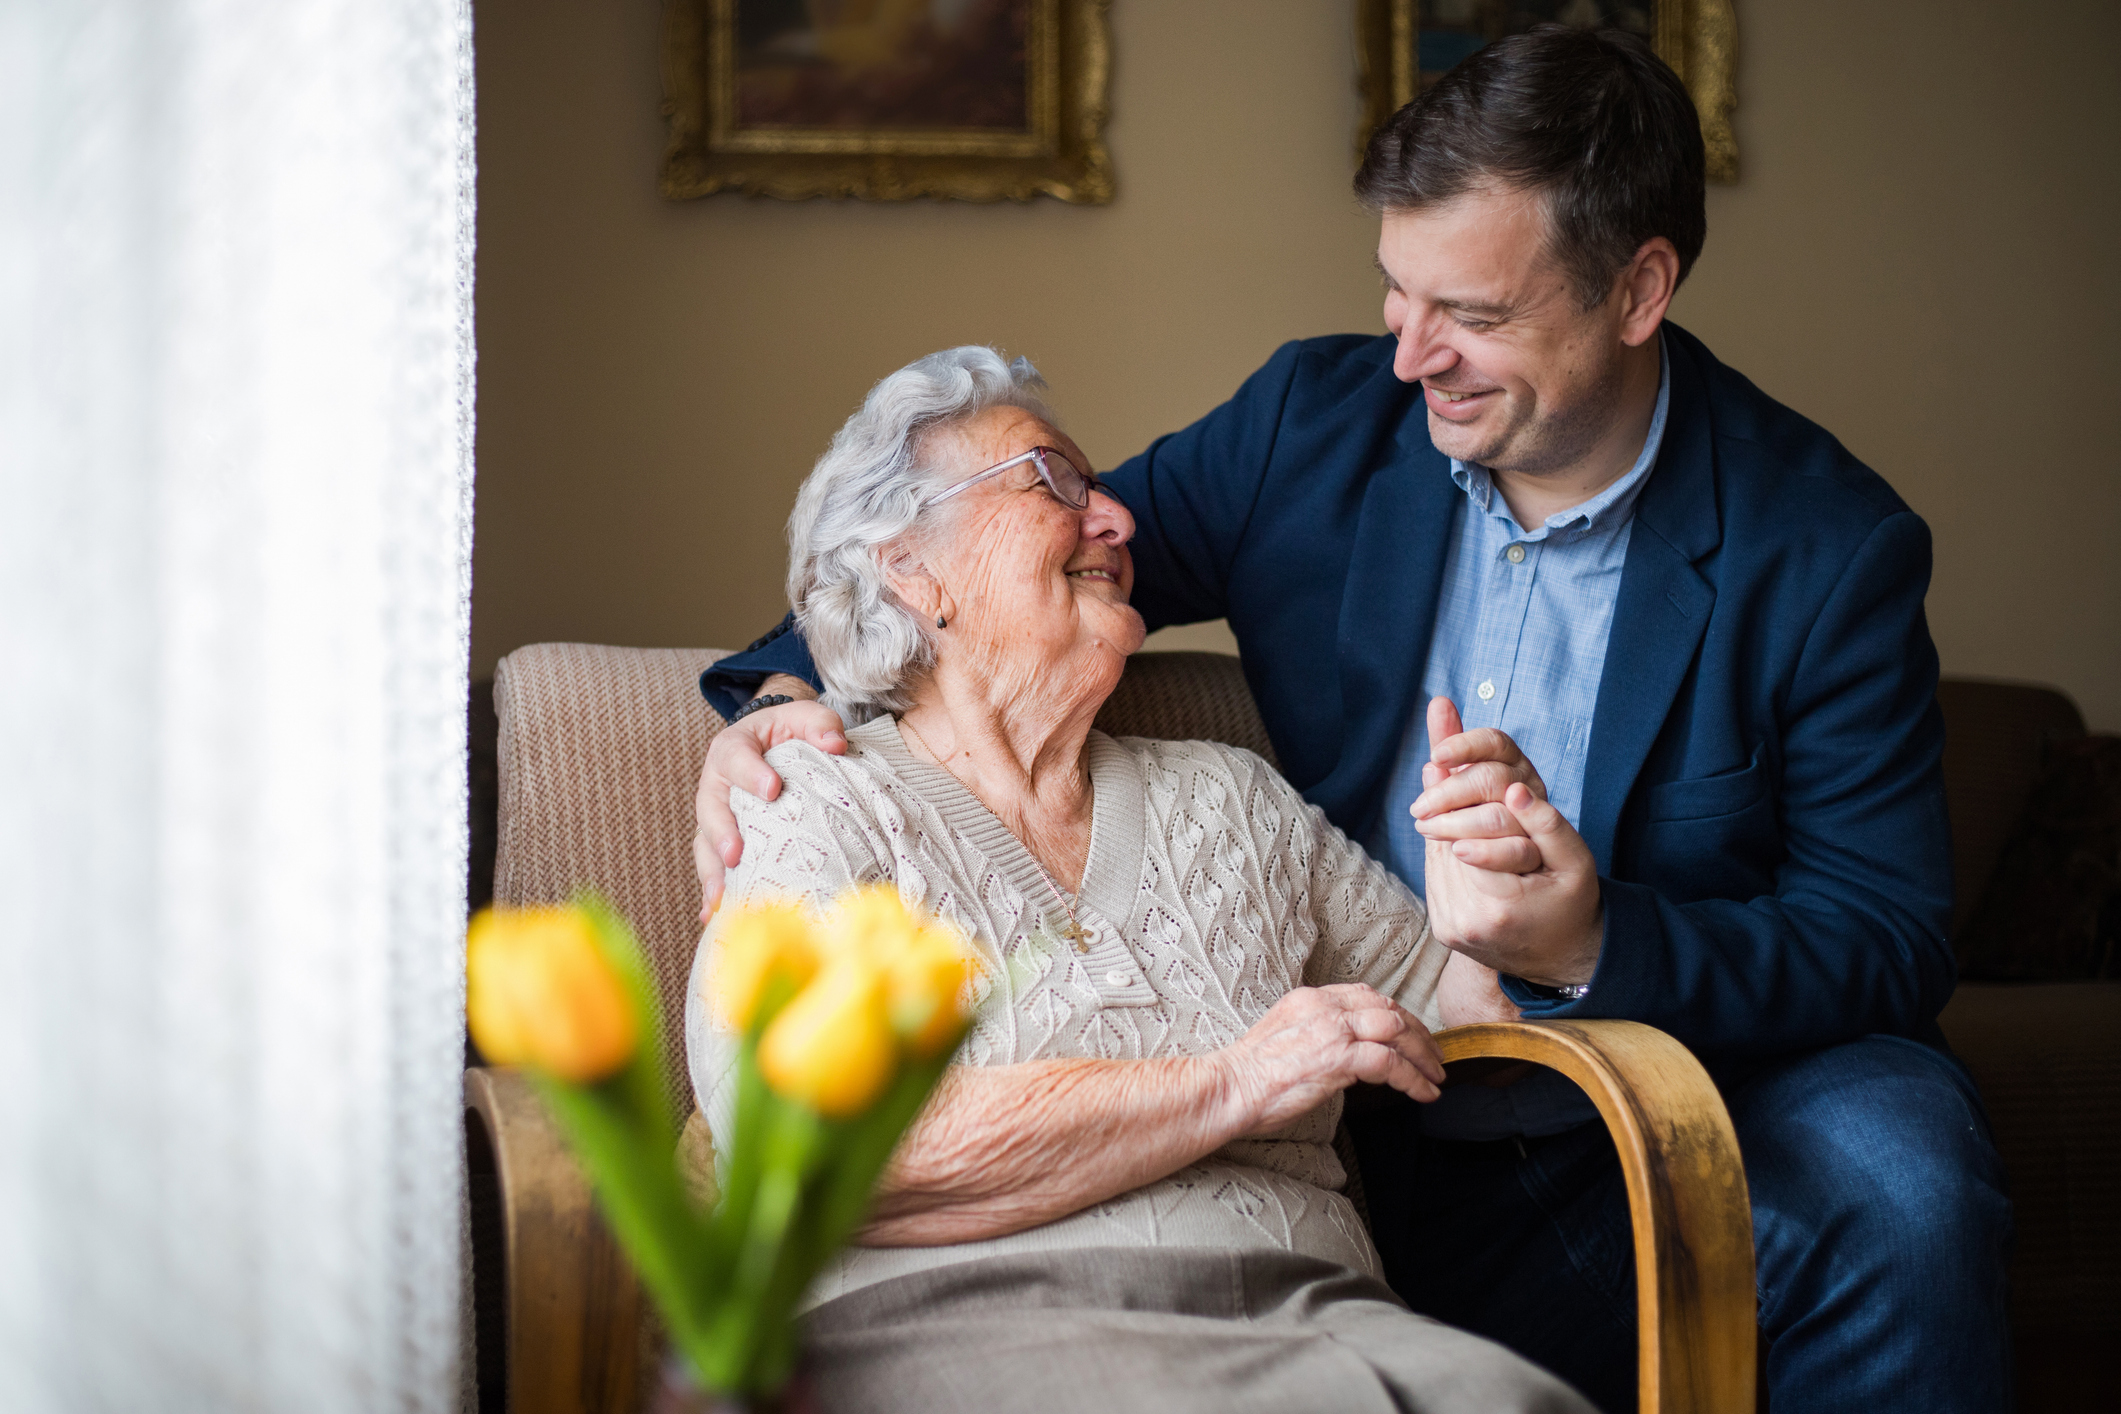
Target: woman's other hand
[
  {"x": 737, "y": 757},
  {"x": 1463, "y": 786},
  {"x": 1316, "y": 1042}
]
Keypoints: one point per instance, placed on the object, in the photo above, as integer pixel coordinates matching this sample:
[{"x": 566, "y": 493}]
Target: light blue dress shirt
[{"x": 1519, "y": 644}]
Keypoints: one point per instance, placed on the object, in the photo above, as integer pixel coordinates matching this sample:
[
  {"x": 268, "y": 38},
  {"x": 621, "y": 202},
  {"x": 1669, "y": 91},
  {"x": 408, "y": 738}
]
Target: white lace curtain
[{"x": 235, "y": 416}]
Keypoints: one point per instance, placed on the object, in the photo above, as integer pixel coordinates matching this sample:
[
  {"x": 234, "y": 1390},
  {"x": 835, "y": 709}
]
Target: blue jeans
[{"x": 1880, "y": 1227}]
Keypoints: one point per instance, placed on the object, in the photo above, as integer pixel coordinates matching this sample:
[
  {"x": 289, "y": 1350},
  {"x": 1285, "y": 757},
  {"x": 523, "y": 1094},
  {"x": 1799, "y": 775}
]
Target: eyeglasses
[{"x": 1070, "y": 485}]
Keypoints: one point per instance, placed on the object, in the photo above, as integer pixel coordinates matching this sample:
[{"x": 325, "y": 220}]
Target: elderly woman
[{"x": 1125, "y": 1195}]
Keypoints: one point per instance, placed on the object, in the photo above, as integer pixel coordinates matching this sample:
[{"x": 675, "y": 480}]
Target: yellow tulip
[
  {"x": 542, "y": 994},
  {"x": 832, "y": 1047},
  {"x": 872, "y": 922},
  {"x": 925, "y": 964},
  {"x": 925, "y": 982},
  {"x": 753, "y": 947}
]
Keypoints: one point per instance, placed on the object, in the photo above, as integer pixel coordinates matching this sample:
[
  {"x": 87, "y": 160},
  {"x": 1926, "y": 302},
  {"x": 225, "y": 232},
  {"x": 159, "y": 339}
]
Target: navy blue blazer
[{"x": 1764, "y": 788}]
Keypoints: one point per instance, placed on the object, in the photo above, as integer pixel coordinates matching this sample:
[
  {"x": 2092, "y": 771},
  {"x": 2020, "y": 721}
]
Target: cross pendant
[{"x": 1075, "y": 933}]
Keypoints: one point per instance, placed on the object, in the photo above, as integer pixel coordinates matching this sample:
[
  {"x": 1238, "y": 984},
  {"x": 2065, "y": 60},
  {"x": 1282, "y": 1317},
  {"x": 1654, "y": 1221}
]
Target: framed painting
[
  {"x": 887, "y": 100},
  {"x": 1403, "y": 45}
]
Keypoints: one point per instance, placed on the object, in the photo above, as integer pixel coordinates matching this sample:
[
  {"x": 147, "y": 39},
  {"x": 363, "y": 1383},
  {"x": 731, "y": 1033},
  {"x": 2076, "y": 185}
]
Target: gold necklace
[{"x": 1074, "y": 932}]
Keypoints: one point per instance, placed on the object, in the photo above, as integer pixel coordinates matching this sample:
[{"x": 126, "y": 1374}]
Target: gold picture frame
[
  {"x": 713, "y": 74},
  {"x": 1698, "y": 38}
]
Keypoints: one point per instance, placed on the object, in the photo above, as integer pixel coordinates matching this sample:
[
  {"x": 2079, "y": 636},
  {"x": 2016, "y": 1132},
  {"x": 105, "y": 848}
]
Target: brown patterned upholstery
[
  {"x": 1186, "y": 697},
  {"x": 600, "y": 752}
]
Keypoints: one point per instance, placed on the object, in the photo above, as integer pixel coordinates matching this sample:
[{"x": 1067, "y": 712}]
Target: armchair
[{"x": 599, "y": 753}]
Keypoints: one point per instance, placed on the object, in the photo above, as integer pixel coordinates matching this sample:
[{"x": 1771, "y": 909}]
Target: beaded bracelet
[{"x": 760, "y": 704}]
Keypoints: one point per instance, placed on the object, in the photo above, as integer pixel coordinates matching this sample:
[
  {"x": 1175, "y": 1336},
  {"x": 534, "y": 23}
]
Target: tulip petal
[
  {"x": 763, "y": 948},
  {"x": 832, "y": 1048},
  {"x": 541, "y": 994}
]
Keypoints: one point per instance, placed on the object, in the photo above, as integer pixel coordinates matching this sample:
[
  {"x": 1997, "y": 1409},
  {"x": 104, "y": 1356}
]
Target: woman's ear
[{"x": 911, "y": 581}]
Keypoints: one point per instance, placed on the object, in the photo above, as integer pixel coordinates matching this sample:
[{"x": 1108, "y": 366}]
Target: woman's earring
[{"x": 939, "y": 622}]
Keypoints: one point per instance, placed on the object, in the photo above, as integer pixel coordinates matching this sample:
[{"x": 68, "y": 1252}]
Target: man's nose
[
  {"x": 1421, "y": 354},
  {"x": 1106, "y": 520}
]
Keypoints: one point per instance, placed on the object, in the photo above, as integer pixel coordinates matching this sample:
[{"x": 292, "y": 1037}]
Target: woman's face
[{"x": 1030, "y": 585}]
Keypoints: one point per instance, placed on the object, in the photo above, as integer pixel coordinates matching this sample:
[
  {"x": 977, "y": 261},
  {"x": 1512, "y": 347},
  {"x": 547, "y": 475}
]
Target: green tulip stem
[{"x": 797, "y": 1187}]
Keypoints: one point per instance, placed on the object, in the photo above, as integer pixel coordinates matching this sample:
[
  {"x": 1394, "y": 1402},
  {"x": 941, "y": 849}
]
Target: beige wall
[{"x": 1919, "y": 256}]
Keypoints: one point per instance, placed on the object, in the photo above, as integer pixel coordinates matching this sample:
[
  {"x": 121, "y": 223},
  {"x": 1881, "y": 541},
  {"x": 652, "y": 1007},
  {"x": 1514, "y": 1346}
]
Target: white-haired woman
[{"x": 1125, "y": 1195}]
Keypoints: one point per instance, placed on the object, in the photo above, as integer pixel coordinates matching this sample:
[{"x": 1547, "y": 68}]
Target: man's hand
[
  {"x": 1468, "y": 992},
  {"x": 1316, "y": 1042},
  {"x": 1511, "y": 884},
  {"x": 1545, "y": 924},
  {"x": 737, "y": 757}
]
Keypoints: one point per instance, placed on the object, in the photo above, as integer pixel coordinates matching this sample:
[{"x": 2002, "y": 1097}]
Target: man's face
[{"x": 1517, "y": 375}]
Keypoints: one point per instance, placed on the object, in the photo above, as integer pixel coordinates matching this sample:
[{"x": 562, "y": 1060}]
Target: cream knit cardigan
[{"x": 1211, "y": 890}]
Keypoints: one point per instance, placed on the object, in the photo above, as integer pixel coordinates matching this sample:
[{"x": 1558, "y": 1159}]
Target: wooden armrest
[
  {"x": 572, "y": 1308},
  {"x": 1694, "y": 1292}
]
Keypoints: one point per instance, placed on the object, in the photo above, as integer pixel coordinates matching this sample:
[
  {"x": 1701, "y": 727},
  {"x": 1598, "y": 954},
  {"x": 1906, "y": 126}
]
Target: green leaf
[
  {"x": 640, "y": 1084},
  {"x": 635, "y": 1177}
]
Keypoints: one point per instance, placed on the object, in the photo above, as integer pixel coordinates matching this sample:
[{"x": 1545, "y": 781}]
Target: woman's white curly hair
[{"x": 865, "y": 493}]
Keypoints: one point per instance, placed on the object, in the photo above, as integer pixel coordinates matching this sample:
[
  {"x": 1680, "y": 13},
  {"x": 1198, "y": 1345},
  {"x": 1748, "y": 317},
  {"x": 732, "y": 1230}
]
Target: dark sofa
[{"x": 2046, "y": 1054}]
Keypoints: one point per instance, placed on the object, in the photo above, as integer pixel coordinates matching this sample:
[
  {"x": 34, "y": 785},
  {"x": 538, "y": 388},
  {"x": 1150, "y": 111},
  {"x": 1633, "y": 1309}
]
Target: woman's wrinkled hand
[
  {"x": 1316, "y": 1042},
  {"x": 1463, "y": 786}
]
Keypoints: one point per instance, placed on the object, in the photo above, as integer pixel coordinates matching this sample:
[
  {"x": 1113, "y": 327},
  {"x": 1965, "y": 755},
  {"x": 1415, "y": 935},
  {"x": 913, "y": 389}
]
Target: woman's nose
[{"x": 1106, "y": 519}]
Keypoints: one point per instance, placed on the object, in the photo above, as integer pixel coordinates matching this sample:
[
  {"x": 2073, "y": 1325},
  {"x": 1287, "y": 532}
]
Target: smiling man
[{"x": 1697, "y": 782}]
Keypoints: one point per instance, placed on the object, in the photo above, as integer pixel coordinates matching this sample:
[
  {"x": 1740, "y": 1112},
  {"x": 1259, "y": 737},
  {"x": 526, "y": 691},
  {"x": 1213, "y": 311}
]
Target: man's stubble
[{"x": 1552, "y": 443}]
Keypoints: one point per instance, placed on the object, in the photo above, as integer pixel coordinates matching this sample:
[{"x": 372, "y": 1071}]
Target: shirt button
[
  {"x": 1116, "y": 979},
  {"x": 1486, "y": 690},
  {"x": 1516, "y": 554}
]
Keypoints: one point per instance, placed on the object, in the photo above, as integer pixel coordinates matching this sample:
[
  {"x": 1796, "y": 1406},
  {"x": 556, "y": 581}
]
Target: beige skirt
[{"x": 1105, "y": 1330}]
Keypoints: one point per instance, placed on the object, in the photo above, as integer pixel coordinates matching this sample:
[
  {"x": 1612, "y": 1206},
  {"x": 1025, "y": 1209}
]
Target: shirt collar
[{"x": 1609, "y": 507}]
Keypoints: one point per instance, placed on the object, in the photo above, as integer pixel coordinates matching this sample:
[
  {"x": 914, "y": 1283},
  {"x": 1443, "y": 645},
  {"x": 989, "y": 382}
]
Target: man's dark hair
[{"x": 1590, "y": 118}]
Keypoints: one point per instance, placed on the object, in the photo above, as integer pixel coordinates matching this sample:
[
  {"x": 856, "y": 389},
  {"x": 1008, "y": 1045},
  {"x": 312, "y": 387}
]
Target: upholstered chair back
[{"x": 600, "y": 752}]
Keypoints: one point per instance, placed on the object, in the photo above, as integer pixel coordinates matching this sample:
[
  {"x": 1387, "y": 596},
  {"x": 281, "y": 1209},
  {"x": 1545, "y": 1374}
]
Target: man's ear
[{"x": 1646, "y": 290}]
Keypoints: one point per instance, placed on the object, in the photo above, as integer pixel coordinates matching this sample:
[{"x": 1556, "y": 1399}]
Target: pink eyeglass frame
[{"x": 1036, "y": 456}]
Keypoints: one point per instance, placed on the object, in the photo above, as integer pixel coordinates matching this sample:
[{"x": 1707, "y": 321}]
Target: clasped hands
[{"x": 1511, "y": 885}]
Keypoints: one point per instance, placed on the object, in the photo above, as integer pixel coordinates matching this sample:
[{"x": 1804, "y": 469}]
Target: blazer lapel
[
  {"x": 1664, "y": 602},
  {"x": 1386, "y": 617}
]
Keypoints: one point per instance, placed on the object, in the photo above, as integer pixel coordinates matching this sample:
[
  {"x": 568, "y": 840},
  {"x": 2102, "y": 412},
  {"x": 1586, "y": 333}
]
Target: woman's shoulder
[
  {"x": 833, "y": 821},
  {"x": 1198, "y": 754},
  {"x": 1229, "y": 780},
  {"x": 843, "y": 782},
  {"x": 1166, "y": 750}
]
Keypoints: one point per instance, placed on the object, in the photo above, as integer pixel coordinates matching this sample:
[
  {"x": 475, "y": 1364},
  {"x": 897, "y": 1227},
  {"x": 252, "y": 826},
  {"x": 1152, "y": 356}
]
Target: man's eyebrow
[{"x": 1479, "y": 309}]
